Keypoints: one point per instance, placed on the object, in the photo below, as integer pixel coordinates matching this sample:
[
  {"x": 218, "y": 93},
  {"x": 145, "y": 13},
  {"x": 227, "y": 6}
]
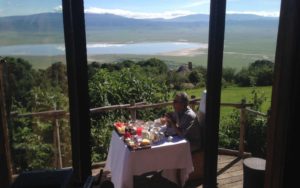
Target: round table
[{"x": 254, "y": 172}]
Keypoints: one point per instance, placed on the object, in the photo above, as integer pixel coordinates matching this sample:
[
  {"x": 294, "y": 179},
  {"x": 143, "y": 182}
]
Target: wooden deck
[{"x": 230, "y": 173}]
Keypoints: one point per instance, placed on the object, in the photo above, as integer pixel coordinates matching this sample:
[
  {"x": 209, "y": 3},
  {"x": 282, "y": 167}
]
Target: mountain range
[
  {"x": 247, "y": 37},
  {"x": 114, "y": 28},
  {"x": 53, "y": 21}
]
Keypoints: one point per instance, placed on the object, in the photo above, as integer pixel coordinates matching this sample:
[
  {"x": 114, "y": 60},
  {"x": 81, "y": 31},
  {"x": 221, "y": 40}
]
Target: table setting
[
  {"x": 138, "y": 147},
  {"x": 143, "y": 135}
]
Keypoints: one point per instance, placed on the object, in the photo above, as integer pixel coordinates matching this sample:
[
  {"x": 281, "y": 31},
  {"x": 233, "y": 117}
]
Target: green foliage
[
  {"x": 202, "y": 70},
  {"x": 229, "y": 132},
  {"x": 259, "y": 73},
  {"x": 228, "y": 74},
  {"x": 243, "y": 78},
  {"x": 120, "y": 87},
  {"x": 111, "y": 84},
  {"x": 101, "y": 135},
  {"x": 93, "y": 68},
  {"x": 176, "y": 80},
  {"x": 30, "y": 152},
  {"x": 262, "y": 71},
  {"x": 57, "y": 75},
  {"x": 195, "y": 77},
  {"x": 157, "y": 65},
  {"x": 124, "y": 86},
  {"x": 32, "y": 138},
  {"x": 46, "y": 99},
  {"x": 255, "y": 136},
  {"x": 21, "y": 78},
  {"x": 35, "y": 91}
]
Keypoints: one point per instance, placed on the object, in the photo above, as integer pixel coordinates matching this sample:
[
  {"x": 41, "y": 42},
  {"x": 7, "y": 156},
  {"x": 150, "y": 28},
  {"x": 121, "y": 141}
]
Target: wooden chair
[
  {"x": 198, "y": 162},
  {"x": 98, "y": 182},
  {"x": 44, "y": 178}
]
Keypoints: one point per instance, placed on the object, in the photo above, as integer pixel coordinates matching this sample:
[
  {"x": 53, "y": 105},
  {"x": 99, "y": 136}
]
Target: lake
[{"x": 147, "y": 48}]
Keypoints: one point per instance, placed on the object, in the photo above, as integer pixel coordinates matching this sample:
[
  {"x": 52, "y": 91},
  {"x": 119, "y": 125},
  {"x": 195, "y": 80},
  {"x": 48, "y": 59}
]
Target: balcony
[
  {"x": 230, "y": 169},
  {"x": 282, "y": 131}
]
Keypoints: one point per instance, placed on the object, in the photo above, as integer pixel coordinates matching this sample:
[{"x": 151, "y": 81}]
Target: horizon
[
  {"x": 227, "y": 13},
  {"x": 142, "y": 9}
]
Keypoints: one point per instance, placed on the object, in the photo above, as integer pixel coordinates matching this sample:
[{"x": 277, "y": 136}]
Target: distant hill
[
  {"x": 247, "y": 37},
  {"x": 242, "y": 30},
  {"x": 32, "y": 23},
  {"x": 53, "y": 21},
  {"x": 28, "y": 22}
]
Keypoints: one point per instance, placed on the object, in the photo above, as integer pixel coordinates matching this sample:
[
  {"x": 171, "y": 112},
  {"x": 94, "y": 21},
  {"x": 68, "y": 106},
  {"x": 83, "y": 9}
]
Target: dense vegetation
[{"x": 129, "y": 81}]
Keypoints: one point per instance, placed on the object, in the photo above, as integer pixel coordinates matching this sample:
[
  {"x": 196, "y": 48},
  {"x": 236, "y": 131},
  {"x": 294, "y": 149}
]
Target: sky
[{"x": 142, "y": 9}]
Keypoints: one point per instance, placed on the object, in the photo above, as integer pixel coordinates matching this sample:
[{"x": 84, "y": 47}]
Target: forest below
[{"x": 151, "y": 80}]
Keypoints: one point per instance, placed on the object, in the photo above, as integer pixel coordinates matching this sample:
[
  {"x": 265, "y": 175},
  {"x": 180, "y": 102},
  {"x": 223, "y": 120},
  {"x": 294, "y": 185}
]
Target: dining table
[{"x": 171, "y": 156}]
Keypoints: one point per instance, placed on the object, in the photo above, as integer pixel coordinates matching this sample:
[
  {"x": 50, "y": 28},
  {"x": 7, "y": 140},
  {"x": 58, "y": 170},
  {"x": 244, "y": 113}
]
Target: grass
[
  {"x": 236, "y": 61},
  {"x": 236, "y": 94}
]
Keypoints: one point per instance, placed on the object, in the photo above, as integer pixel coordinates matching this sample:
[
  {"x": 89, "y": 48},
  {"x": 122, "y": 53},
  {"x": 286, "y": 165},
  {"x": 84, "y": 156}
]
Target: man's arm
[{"x": 181, "y": 128}]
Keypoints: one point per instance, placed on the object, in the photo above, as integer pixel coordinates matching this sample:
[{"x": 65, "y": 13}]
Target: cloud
[
  {"x": 259, "y": 13},
  {"x": 196, "y": 4},
  {"x": 139, "y": 15},
  {"x": 58, "y": 8}
]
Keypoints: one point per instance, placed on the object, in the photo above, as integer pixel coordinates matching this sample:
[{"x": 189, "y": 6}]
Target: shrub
[
  {"x": 122, "y": 87},
  {"x": 255, "y": 135}
]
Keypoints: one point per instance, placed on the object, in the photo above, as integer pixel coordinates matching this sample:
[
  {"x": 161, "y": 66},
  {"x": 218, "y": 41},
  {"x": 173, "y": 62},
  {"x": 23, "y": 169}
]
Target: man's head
[{"x": 180, "y": 101}]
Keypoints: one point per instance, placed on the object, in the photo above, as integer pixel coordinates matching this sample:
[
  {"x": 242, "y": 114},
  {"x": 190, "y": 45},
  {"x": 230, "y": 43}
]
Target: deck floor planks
[
  {"x": 233, "y": 176},
  {"x": 230, "y": 172}
]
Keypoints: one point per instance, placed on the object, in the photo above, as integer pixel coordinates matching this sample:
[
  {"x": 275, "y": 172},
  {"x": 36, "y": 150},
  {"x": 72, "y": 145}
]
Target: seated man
[{"x": 184, "y": 121}]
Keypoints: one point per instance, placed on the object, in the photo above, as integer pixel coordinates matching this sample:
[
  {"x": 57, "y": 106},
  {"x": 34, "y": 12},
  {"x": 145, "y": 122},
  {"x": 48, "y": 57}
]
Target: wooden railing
[{"x": 54, "y": 115}]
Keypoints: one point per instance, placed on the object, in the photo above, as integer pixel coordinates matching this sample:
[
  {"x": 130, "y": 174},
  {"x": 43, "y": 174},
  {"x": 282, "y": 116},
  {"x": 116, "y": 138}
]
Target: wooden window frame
[
  {"x": 76, "y": 56},
  {"x": 282, "y": 131}
]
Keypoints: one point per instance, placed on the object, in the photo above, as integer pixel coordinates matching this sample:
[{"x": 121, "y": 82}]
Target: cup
[{"x": 139, "y": 131}]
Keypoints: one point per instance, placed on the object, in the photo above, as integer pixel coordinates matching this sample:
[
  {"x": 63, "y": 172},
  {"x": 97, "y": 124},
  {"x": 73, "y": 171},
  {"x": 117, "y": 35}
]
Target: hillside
[
  {"x": 247, "y": 37},
  {"x": 113, "y": 28}
]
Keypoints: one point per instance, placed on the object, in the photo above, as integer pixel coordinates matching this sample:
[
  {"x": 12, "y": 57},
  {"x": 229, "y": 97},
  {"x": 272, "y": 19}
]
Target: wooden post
[
  {"x": 56, "y": 139},
  {"x": 213, "y": 98},
  {"x": 132, "y": 111},
  {"x": 5, "y": 160},
  {"x": 242, "y": 129}
]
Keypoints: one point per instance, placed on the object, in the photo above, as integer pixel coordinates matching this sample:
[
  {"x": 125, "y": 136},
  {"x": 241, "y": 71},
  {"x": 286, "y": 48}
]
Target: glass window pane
[
  {"x": 32, "y": 44},
  {"x": 142, "y": 51}
]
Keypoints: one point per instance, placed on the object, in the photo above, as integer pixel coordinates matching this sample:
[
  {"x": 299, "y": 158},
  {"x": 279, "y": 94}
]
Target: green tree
[
  {"x": 121, "y": 87},
  {"x": 262, "y": 72},
  {"x": 21, "y": 78},
  {"x": 255, "y": 135},
  {"x": 93, "y": 68},
  {"x": 32, "y": 139},
  {"x": 176, "y": 80},
  {"x": 195, "y": 77},
  {"x": 259, "y": 73},
  {"x": 57, "y": 74},
  {"x": 228, "y": 74},
  {"x": 158, "y": 65},
  {"x": 109, "y": 88},
  {"x": 243, "y": 78}
]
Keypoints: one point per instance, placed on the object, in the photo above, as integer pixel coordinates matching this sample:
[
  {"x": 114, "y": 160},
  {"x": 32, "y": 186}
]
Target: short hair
[{"x": 184, "y": 98}]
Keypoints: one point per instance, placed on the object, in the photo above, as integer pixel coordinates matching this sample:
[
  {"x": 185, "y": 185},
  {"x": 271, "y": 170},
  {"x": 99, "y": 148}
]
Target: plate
[
  {"x": 118, "y": 132},
  {"x": 135, "y": 148}
]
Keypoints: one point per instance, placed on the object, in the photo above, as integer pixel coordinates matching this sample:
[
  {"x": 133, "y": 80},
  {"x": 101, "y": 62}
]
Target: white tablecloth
[{"x": 124, "y": 164}]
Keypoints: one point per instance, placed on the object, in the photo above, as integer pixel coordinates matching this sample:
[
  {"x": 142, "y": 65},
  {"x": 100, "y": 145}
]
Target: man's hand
[{"x": 170, "y": 119}]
